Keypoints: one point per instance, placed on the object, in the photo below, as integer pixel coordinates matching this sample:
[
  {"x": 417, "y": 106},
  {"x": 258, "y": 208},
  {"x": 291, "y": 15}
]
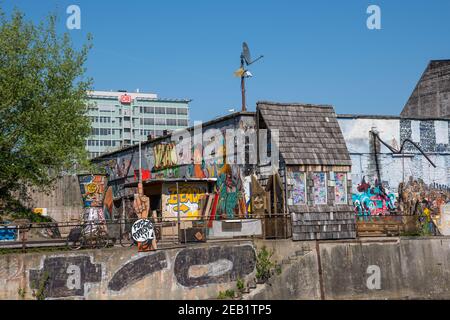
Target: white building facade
[{"x": 120, "y": 119}]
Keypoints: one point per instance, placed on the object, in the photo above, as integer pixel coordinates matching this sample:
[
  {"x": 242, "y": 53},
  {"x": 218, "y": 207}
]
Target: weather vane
[{"x": 242, "y": 72}]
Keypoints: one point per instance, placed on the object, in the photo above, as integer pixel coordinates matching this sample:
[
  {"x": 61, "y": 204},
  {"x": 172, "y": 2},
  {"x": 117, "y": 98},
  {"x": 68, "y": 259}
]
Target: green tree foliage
[{"x": 43, "y": 122}]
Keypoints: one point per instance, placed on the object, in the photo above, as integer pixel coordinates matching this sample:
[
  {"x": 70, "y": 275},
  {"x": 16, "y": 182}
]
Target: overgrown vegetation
[
  {"x": 43, "y": 121},
  {"x": 21, "y": 292},
  {"x": 240, "y": 285},
  {"x": 264, "y": 264},
  {"x": 40, "y": 293},
  {"x": 227, "y": 294}
]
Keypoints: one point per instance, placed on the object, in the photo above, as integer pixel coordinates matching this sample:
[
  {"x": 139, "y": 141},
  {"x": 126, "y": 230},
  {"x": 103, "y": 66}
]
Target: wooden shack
[{"x": 314, "y": 166}]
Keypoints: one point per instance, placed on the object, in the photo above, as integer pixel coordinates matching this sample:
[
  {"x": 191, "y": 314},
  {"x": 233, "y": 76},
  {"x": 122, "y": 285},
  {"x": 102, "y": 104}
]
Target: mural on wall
[
  {"x": 231, "y": 195},
  {"x": 373, "y": 201},
  {"x": 165, "y": 155},
  {"x": 92, "y": 188},
  {"x": 207, "y": 265},
  {"x": 340, "y": 189},
  {"x": 319, "y": 187},
  {"x": 299, "y": 188},
  {"x": 137, "y": 269},
  {"x": 66, "y": 276},
  {"x": 431, "y": 135},
  {"x": 189, "y": 198},
  {"x": 161, "y": 160}
]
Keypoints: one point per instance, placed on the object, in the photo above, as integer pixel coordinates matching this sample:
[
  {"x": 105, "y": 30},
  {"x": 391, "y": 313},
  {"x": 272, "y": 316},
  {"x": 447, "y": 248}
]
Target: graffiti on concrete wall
[
  {"x": 231, "y": 193},
  {"x": 373, "y": 200},
  {"x": 202, "y": 266},
  {"x": 137, "y": 269},
  {"x": 66, "y": 276},
  {"x": 92, "y": 188},
  {"x": 165, "y": 155},
  {"x": 189, "y": 199}
]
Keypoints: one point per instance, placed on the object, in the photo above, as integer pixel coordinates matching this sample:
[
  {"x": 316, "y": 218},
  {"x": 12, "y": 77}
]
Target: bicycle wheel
[
  {"x": 74, "y": 240},
  {"x": 101, "y": 240},
  {"x": 126, "y": 240}
]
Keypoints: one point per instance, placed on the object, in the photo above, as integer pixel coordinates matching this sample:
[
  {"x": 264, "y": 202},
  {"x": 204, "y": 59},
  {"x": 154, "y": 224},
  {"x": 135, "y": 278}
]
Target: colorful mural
[
  {"x": 189, "y": 198},
  {"x": 373, "y": 201},
  {"x": 165, "y": 155},
  {"x": 162, "y": 160},
  {"x": 299, "y": 188},
  {"x": 319, "y": 187},
  {"x": 340, "y": 189},
  {"x": 92, "y": 188}
]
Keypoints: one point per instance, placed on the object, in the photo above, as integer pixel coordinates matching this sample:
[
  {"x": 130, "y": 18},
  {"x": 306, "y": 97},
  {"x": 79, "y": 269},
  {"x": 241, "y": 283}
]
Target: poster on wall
[
  {"x": 190, "y": 195},
  {"x": 299, "y": 188},
  {"x": 320, "y": 187},
  {"x": 340, "y": 194},
  {"x": 92, "y": 188}
]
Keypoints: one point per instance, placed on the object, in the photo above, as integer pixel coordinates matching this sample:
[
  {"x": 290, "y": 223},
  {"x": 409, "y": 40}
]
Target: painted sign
[
  {"x": 142, "y": 230},
  {"x": 92, "y": 189},
  {"x": 189, "y": 196}
]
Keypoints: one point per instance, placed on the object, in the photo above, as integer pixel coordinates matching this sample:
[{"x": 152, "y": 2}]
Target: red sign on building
[{"x": 125, "y": 99}]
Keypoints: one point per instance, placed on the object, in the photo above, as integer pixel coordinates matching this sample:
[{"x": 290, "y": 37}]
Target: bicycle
[{"x": 88, "y": 235}]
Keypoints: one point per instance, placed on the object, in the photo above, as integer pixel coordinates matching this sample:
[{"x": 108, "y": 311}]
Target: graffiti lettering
[
  {"x": 136, "y": 270},
  {"x": 74, "y": 280},
  {"x": 165, "y": 155},
  {"x": 67, "y": 276},
  {"x": 200, "y": 266}
]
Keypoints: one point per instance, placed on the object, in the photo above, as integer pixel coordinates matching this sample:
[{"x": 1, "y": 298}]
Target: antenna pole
[{"x": 243, "y": 86}]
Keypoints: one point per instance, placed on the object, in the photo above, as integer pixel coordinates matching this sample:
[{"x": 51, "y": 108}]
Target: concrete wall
[
  {"x": 394, "y": 268},
  {"x": 63, "y": 203},
  {"x": 397, "y": 269},
  {"x": 197, "y": 272}
]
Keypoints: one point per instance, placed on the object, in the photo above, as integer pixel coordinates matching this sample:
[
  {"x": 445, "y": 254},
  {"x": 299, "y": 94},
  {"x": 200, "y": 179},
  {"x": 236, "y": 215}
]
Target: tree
[{"x": 43, "y": 122}]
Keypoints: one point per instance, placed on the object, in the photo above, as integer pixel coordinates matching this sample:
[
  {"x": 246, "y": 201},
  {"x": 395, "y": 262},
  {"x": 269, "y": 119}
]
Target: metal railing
[{"x": 169, "y": 232}]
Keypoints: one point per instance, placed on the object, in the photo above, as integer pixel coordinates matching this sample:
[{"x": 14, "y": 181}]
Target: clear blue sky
[{"x": 315, "y": 52}]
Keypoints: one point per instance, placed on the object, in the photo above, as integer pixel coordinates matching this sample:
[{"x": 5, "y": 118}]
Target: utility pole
[{"x": 243, "y": 85}]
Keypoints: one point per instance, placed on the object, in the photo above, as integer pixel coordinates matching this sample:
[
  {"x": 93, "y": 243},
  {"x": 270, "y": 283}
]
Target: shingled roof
[{"x": 309, "y": 134}]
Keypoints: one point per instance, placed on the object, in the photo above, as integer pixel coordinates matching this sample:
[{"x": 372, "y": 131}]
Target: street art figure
[{"x": 373, "y": 201}]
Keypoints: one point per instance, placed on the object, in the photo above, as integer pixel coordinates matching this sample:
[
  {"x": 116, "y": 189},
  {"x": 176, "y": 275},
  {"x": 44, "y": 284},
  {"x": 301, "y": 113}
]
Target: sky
[{"x": 318, "y": 52}]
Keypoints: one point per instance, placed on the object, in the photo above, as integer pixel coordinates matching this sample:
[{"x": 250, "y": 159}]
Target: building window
[
  {"x": 160, "y": 110},
  {"x": 340, "y": 189},
  {"x": 171, "y": 110},
  {"x": 147, "y": 121},
  {"x": 147, "y": 110},
  {"x": 171, "y": 122},
  {"x": 183, "y": 111},
  {"x": 299, "y": 188},
  {"x": 319, "y": 187},
  {"x": 182, "y": 122},
  {"x": 160, "y": 121}
]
